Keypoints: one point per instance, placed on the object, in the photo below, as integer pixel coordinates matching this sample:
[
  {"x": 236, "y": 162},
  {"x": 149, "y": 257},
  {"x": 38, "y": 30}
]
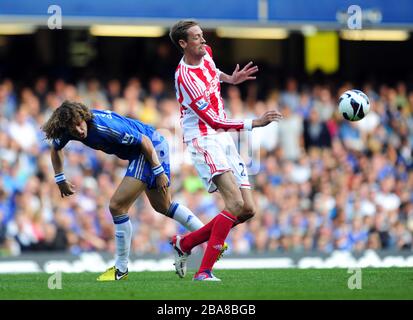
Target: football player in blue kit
[{"x": 148, "y": 170}]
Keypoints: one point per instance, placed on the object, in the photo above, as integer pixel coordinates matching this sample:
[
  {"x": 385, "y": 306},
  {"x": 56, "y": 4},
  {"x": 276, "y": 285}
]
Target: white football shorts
[{"x": 215, "y": 154}]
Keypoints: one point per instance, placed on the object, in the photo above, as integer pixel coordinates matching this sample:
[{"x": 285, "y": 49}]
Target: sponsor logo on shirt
[
  {"x": 201, "y": 104},
  {"x": 212, "y": 87},
  {"x": 127, "y": 139}
]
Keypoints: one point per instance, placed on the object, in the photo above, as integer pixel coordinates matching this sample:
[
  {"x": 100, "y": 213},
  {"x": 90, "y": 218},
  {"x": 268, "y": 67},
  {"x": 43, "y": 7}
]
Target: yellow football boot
[
  {"x": 113, "y": 274},
  {"x": 224, "y": 248}
]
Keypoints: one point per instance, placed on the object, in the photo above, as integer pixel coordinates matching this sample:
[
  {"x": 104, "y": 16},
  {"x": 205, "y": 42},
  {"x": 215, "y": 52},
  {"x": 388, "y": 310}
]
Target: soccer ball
[{"x": 353, "y": 105}]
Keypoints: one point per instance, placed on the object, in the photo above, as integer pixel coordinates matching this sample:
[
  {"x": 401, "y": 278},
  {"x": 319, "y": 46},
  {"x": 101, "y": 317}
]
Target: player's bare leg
[
  {"x": 248, "y": 210},
  {"x": 123, "y": 198}
]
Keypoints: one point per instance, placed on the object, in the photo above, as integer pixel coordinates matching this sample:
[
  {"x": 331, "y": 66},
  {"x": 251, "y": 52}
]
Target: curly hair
[{"x": 67, "y": 116}]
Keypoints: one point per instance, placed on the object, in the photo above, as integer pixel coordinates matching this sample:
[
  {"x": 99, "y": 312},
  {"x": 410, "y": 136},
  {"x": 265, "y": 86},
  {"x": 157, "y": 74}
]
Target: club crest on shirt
[
  {"x": 127, "y": 139},
  {"x": 201, "y": 104}
]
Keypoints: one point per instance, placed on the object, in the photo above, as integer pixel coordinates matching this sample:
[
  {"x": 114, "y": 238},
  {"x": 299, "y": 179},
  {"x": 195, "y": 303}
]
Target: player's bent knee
[
  {"x": 248, "y": 213},
  {"x": 162, "y": 209},
  {"x": 235, "y": 206},
  {"x": 116, "y": 207}
]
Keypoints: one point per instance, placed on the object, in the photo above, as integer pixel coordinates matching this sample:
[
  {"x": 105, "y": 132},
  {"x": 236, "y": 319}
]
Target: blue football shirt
[{"x": 114, "y": 134}]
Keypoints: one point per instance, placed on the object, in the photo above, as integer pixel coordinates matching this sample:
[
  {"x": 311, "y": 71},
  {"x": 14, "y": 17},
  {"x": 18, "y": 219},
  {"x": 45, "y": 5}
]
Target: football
[{"x": 353, "y": 105}]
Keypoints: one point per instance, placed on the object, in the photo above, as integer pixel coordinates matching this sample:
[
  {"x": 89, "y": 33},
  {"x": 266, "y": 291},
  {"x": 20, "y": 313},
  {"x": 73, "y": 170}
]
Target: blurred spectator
[
  {"x": 114, "y": 90},
  {"x": 8, "y": 102},
  {"x": 290, "y": 131},
  {"x": 316, "y": 133},
  {"x": 23, "y": 131},
  {"x": 290, "y": 96},
  {"x": 92, "y": 95},
  {"x": 41, "y": 88}
]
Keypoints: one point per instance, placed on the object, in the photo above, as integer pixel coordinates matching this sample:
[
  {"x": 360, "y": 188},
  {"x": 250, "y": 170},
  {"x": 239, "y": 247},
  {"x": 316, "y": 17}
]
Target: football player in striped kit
[{"x": 213, "y": 152}]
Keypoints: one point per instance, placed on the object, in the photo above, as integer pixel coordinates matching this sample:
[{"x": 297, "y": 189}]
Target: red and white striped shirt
[{"x": 198, "y": 91}]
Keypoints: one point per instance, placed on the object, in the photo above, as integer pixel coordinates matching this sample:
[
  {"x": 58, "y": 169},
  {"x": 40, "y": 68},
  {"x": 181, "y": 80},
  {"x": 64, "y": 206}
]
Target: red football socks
[
  {"x": 201, "y": 235},
  {"x": 222, "y": 226},
  {"x": 197, "y": 237}
]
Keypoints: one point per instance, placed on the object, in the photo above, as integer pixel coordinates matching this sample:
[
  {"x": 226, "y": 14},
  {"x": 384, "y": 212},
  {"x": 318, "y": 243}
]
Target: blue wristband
[
  {"x": 59, "y": 178},
  {"x": 158, "y": 170}
]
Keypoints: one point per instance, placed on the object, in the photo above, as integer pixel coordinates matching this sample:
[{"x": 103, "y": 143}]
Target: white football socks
[
  {"x": 184, "y": 216},
  {"x": 123, "y": 238}
]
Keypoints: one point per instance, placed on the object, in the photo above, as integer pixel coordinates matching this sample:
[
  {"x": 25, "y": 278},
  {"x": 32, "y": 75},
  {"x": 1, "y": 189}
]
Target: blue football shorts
[{"x": 139, "y": 168}]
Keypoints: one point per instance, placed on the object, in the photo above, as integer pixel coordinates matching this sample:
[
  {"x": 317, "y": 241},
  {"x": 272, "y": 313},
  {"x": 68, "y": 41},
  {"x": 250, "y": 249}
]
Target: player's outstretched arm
[
  {"x": 267, "y": 118},
  {"x": 239, "y": 76},
  {"x": 65, "y": 187},
  {"x": 151, "y": 156}
]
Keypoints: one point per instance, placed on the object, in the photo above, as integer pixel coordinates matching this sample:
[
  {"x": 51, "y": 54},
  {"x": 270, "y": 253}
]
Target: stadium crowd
[{"x": 321, "y": 183}]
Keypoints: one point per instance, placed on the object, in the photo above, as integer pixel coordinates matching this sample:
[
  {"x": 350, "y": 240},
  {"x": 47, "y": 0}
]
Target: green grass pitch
[{"x": 262, "y": 284}]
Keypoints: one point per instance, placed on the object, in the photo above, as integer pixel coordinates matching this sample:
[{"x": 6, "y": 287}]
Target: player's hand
[
  {"x": 244, "y": 74},
  {"x": 66, "y": 188},
  {"x": 267, "y": 118},
  {"x": 162, "y": 182}
]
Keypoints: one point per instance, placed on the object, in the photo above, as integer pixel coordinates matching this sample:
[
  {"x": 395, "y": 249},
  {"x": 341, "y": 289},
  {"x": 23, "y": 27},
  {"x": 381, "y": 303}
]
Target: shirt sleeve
[
  {"x": 60, "y": 143},
  {"x": 196, "y": 100},
  {"x": 115, "y": 128},
  {"x": 131, "y": 138},
  {"x": 121, "y": 135}
]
